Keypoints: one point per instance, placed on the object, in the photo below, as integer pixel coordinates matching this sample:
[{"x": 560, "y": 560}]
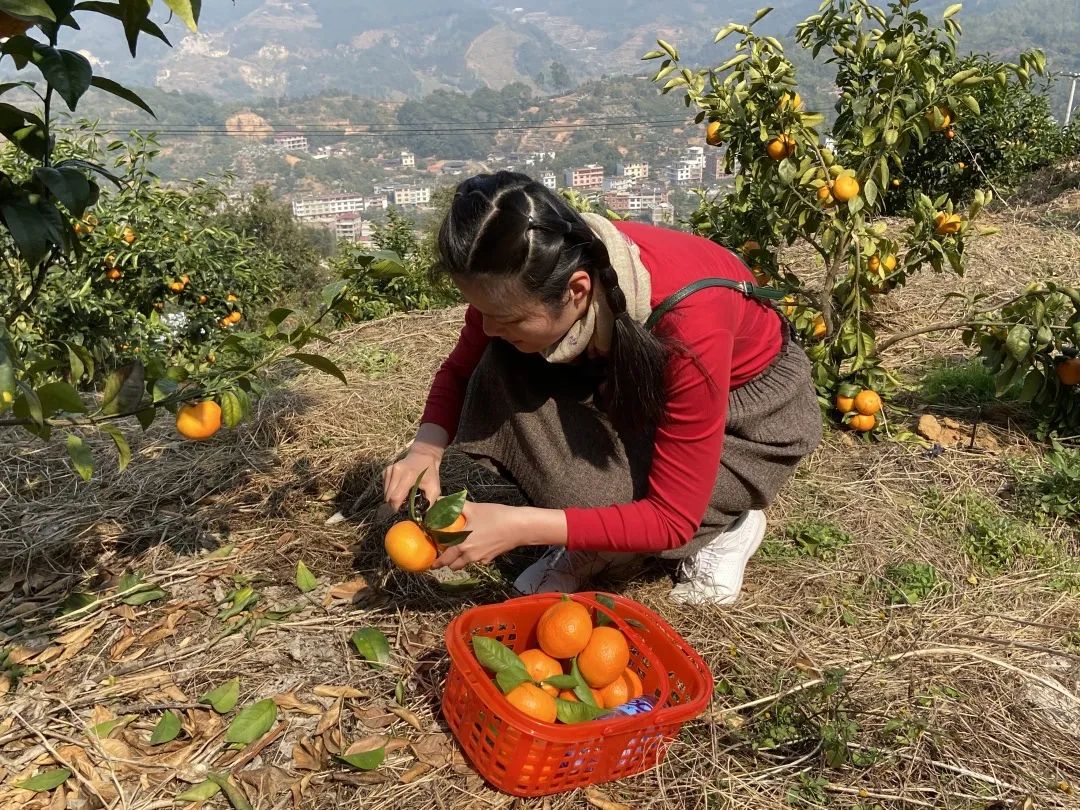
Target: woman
[{"x": 628, "y": 435}]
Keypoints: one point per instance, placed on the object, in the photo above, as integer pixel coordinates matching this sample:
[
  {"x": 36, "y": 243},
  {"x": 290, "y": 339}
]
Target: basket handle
[{"x": 627, "y": 630}]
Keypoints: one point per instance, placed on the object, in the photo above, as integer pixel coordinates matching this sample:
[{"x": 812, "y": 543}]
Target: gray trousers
[{"x": 539, "y": 425}]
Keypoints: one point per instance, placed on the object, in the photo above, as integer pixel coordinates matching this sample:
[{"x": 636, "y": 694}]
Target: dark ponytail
[{"x": 508, "y": 227}]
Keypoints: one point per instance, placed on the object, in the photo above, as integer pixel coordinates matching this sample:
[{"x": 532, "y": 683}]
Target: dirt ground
[{"x": 830, "y": 692}]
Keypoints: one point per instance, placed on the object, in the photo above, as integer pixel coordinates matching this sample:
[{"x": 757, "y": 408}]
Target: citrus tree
[
  {"x": 797, "y": 182},
  {"x": 126, "y": 309}
]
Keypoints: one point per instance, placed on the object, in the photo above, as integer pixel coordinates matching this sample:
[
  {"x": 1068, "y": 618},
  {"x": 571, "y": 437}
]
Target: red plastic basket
[{"x": 525, "y": 757}]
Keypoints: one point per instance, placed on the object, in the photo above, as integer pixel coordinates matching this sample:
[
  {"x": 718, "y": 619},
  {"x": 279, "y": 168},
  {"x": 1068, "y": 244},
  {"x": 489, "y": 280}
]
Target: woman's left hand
[{"x": 496, "y": 529}]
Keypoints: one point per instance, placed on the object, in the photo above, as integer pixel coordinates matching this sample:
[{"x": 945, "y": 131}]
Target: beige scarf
[{"x": 593, "y": 330}]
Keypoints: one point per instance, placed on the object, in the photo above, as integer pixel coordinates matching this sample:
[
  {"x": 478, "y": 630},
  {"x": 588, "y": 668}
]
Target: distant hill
[{"x": 248, "y": 49}]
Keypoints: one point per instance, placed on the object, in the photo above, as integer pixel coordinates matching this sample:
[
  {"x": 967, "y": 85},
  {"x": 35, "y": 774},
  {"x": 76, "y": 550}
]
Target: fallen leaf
[
  {"x": 116, "y": 652},
  {"x": 81, "y": 635},
  {"x": 268, "y": 781},
  {"x": 288, "y": 701},
  {"x": 326, "y": 690},
  {"x": 601, "y": 802},
  {"x": 116, "y": 749},
  {"x": 100, "y": 715},
  {"x": 307, "y": 756},
  {"x": 415, "y": 772},
  {"x": 331, "y": 718},
  {"x": 5, "y": 683},
  {"x": 284, "y": 540},
  {"x": 376, "y": 718},
  {"x": 396, "y": 744},
  {"x": 333, "y": 740},
  {"x": 372, "y": 743},
  {"x": 173, "y": 692},
  {"x": 126, "y": 612},
  {"x": 434, "y": 749},
  {"x": 345, "y": 591},
  {"x": 19, "y": 655},
  {"x": 408, "y": 716},
  {"x": 48, "y": 654}
]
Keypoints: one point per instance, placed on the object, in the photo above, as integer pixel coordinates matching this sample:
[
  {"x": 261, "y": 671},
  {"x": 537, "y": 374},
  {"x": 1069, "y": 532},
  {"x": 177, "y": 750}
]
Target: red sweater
[{"x": 734, "y": 339}]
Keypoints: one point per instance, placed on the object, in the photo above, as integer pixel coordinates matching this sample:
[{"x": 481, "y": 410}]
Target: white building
[
  {"x": 408, "y": 159},
  {"x": 696, "y": 155},
  {"x": 686, "y": 172},
  {"x": 618, "y": 183},
  {"x": 378, "y": 201},
  {"x": 412, "y": 196},
  {"x": 647, "y": 200},
  {"x": 291, "y": 141},
  {"x": 549, "y": 179},
  {"x": 326, "y": 206},
  {"x": 634, "y": 171}
]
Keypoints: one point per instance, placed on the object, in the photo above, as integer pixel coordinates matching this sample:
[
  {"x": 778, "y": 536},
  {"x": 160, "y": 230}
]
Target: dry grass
[{"x": 828, "y": 694}]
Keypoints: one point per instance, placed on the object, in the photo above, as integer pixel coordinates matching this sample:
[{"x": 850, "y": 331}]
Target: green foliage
[
  {"x": 907, "y": 583},
  {"x": 449, "y": 108},
  {"x": 952, "y": 384},
  {"x": 991, "y": 538},
  {"x": 1012, "y": 134},
  {"x": 1052, "y": 488},
  {"x": 1023, "y": 343},
  {"x": 816, "y": 538}
]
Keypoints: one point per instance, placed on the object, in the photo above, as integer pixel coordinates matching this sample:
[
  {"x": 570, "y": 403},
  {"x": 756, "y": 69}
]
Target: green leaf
[
  {"x": 448, "y": 538},
  {"x": 761, "y": 12},
  {"x": 60, "y": 396},
  {"x": 167, "y": 729},
  {"x": 103, "y": 730},
  {"x": 81, "y": 457},
  {"x": 581, "y": 689},
  {"x": 445, "y": 511},
  {"x": 371, "y": 643},
  {"x": 123, "y": 389},
  {"x": 46, "y": 780},
  {"x": 68, "y": 185},
  {"x": 187, "y": 11},
  {"x": 68, "y": 72},
  {"x": 223, "y": 698},
  {"x": 251, "y": 723},
  {"x": 562, "y": 681},
  {"x": 28, "y": 228},
  {"x": 495, "y": 656},
  {"x": 972, "y": 104},
  {"x": 510, "y": 678},
  {"x": 80, "y": 360},
  {"x": 232, "y": 408},
  {"x": 116, "y": 11},
  {"x": 365, "y": 761},
  {"x": 603, "y": 618},
  {"x": 200, "y": 793},
  {"x": 118, "y": 90},
  {"x": 164, "y": 387},
  {"x": 317, "y": 361},
  {"x": 952, "y": 10},
  {"x": 149, "y": 593},
  {"x": 413, "y": 490},
  {"x": 77, "y": 601},
  {"x": 231, "y": 791},
  {"x": 570, "y": 712},
  {"x": 305, "y": 580}
]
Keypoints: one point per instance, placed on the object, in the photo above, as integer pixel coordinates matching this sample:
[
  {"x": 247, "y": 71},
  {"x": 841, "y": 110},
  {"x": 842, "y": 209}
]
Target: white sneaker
[
  {"x": 562, "y": 571},
  {"x": 714, "y": 575}
]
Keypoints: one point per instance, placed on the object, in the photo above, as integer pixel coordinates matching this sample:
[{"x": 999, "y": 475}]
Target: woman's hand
[
  {"x": 495, "y": 529},
  {"x": 399, "y": 477}
]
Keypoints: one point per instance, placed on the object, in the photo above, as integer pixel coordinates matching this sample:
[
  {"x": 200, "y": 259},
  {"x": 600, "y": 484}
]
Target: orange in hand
[{"x": 409, "y": 547}]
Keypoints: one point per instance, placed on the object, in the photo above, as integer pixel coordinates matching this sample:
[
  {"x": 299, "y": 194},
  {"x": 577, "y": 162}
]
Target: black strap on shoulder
[{"x": 745, "y": 287}]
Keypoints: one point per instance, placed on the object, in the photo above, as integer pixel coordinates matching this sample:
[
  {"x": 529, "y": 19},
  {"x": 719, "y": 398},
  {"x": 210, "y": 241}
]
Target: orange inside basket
[{"x": 525, "y": 757}]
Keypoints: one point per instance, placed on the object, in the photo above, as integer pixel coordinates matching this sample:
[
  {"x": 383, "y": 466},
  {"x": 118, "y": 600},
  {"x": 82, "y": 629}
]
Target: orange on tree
[
  {"x": 749, "y": 246},
  {"x": 950, "y": 133},
  {"x": 946, "y": 118},
  {"x": 862, "y": 422},
  {"x": 564, "y": 629},
  {"x": 533, "y": 701},
  {"x": 128, "y": 235},
  {"x": 177, "y": 287},
  {"x": 231, "y": 297},
  {"x": 235, "y": 316},
  {"x": 184, "y": 279},
  {"x": 844, "y": 188},
  {"x": 844, "y": 404},
  {"x": 889, "y": 263},
  {"x": 604, "y": 658},
  {"x": 946, "y": 223},
  {"x": 203, "y": 299},
  {"x": 540, "y": 667},
  {"x": 113, "y": 274},
  {"x": 819, "y": 327},
  {"x": 788, "y": 102},
  {"x": 198, "y": 420},
  {"x": 12, "y": 26},
  {"x": 895, "y": 182},
  {"x": 825, "y": 197},
  {"x": 780, "y": 147},
  {"x": 712, "y": 134},
  {"x": 409, "y": 546},
  {"x": 1068, "y": 371},
  {"x": 867, "y": 402}
]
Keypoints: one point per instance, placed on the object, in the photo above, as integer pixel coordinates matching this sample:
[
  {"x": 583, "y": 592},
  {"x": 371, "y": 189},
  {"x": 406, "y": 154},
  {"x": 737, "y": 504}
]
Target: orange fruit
[
  {"x": 409, "y": 547},
  {"x": 203, "y": 299},
  {"x": 780, "y": 147},
  {"x": 159, "y": 305},
  {"x": 567, "y": 694},
  {"x": 564, "y": 629},
  {"x": 873, "y": 264},
  {"x": 177, "y": 287},
  {"x": 616, "y": 693},
  {"x": 234, "y": 317},
  {"x": 889, "y": 263},
  {"x": 1068, "y": 371},
  {"x": 231, "y": 297},
  {"x": 950, "y": 133},
  {"x": 114, "y": 274},
  {"x": 867, "y": 402},
  {"x": 862, "y": 422},
  {"x": 946, "y": 223},
  {"x": 185, "y": 279},
  {"x": 825, "y": 197},
  {"x": 198, "y": 420},
  {"x": 636, "y": 687},
  {"x": 895, "y": 182},
  {"x": 844, "y": 404},
  {"x": 787, "y": 102},
  {"x": 819, "y": 327},
  {"x": 712, "y": 134},
  {"x": 12, "y": 26},
  {"x": 604, "y": 657},
  {"x": 534, "y": 701},
  {"x": 541, "y": 666},
  {"x": 457, "y": 526},
  {"x": 845, "y": 188},
  {"x": 946, "y": 116},
  {"x": 749, "y": 246},
  {"x": 128, "y": 235}
]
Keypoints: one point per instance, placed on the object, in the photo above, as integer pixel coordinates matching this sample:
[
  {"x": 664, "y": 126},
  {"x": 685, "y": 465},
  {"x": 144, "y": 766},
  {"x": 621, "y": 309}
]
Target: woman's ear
[{"x": 580, "y": 286}]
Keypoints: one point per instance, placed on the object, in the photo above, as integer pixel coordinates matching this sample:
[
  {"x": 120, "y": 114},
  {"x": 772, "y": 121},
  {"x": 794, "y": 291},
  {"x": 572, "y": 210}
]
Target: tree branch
[{"x": 922, "y": 330}]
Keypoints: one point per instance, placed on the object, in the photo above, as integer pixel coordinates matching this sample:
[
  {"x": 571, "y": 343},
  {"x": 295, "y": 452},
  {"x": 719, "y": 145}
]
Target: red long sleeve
[{"x": 727, "y": 340}]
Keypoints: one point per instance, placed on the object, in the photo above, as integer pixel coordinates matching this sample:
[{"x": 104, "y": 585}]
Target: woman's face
[{"x": 522, "y": 320}]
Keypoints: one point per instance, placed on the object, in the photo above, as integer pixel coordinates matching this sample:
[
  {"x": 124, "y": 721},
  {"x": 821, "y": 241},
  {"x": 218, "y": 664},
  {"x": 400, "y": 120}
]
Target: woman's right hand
[{"x": 399, "y": 477}]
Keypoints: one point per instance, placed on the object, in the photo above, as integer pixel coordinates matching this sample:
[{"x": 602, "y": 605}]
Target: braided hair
[{"x": 508, "y": 227}]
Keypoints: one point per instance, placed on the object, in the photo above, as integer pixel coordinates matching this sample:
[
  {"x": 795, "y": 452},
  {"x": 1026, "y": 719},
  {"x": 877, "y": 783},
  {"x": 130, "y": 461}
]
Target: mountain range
[{"x": 291, "y": 48}]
